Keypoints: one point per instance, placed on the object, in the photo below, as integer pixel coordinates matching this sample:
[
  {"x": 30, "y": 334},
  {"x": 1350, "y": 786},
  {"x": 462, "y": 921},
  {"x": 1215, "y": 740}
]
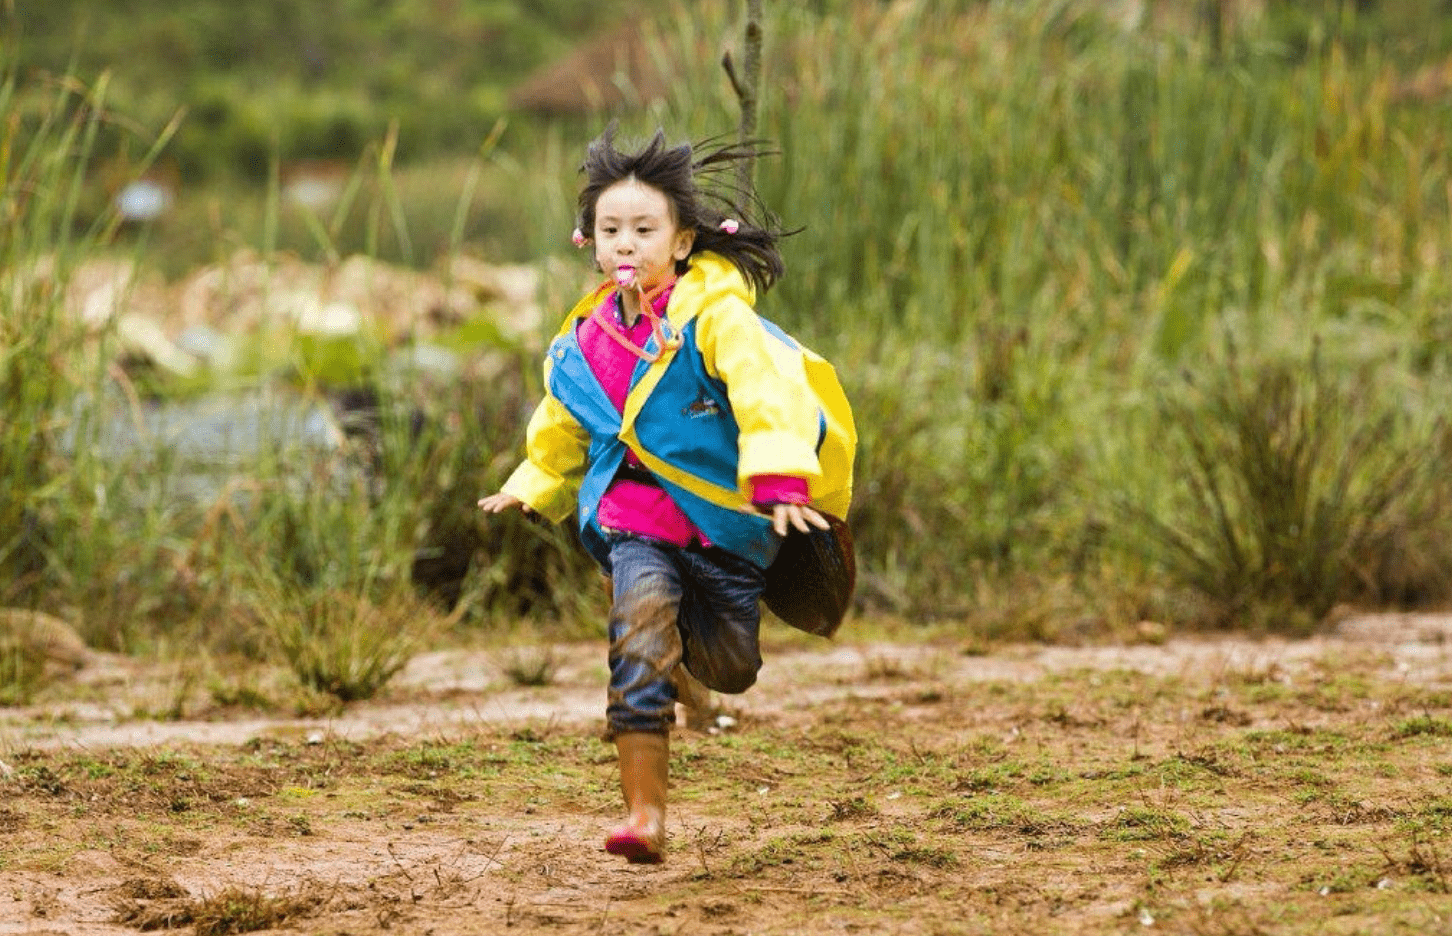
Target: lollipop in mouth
[{"x": 625, "y": 276}]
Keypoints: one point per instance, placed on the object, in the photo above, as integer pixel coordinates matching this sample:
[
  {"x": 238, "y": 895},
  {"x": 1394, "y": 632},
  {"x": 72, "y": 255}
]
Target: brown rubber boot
[
  {"x": 644, "y": 769},
  {"x": 695, "y": 698}
]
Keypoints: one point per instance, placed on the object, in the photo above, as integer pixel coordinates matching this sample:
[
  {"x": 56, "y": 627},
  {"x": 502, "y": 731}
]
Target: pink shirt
[{"x": 636, "y": 506}]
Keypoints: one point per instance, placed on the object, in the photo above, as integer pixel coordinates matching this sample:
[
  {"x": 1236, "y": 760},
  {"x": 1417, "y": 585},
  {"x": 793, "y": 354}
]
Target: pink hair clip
[
  {"x": 730, "y": 225},
  {"x": 578, "y": 238}
]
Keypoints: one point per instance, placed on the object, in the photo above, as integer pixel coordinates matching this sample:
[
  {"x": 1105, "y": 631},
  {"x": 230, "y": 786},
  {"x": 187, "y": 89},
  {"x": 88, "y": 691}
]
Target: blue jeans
[{"x": 674, "y": 605}]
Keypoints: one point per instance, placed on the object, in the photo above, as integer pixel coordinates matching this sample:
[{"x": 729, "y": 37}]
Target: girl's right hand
[{"x": 498, "y": 503}]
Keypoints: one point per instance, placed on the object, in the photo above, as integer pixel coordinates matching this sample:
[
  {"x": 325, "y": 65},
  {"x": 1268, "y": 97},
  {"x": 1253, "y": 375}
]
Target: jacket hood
[{"x": 709, "y": 279}]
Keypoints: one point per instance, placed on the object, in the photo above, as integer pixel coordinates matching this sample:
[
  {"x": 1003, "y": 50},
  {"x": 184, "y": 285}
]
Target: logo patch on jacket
[{"x": 702, "y": 406}]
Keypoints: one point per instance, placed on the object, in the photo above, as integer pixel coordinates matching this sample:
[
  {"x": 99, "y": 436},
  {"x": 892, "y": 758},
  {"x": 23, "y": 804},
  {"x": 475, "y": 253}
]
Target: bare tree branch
[
  {"x": 730, "y": 65},
  {"x": 746, "y": 84}
]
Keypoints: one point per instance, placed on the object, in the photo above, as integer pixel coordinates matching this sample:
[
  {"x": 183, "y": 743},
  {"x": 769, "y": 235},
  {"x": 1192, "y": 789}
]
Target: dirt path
[
  {"x": 1203, "y": 786},
  {"x": 452, "y": 690}
]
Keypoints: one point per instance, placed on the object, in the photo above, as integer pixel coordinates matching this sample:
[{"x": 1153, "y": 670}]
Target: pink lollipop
[{"x": 625, "y": 276}]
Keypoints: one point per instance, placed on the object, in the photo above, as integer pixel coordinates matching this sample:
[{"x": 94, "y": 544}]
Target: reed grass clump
[
  {"x": 528, "y": 664},
  {"x": 343, "y": 643},
  {"x": 1292, "y": 484}
]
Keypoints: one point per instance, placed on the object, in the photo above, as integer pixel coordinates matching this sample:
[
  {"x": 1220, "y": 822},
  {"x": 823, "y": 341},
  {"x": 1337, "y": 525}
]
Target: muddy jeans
[{"x": 675, "y": 604}]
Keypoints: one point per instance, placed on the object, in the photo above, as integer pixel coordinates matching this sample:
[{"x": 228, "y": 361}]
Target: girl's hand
[
  {"x": 799, "y": 516},
  {"x": 499, "y": 503}
]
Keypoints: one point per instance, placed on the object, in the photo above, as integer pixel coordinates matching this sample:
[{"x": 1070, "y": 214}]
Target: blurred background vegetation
[
  {"x": 317, "y": 80},
  {"x": 1144, "y": 308}
]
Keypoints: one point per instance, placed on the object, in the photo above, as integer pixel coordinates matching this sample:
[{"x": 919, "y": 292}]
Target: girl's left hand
[{"x": 799, "y": 516}]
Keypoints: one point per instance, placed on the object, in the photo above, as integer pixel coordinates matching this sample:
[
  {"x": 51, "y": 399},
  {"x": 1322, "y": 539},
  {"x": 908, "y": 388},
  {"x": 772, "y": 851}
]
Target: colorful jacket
[{"x": 737, "y": 398}]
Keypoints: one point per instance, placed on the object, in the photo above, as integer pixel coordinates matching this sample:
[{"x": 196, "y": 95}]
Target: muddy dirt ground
[{"x": 1203, "y": 785}]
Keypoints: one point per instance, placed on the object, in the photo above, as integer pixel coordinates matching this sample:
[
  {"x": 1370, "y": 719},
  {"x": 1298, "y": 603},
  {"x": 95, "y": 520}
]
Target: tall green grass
[
  {"x": 45, "y": 143},
  {"x": 1028, "y": 232},
  {"x": 325, "y": 557},
  {"x": 1022, "y": 221}
]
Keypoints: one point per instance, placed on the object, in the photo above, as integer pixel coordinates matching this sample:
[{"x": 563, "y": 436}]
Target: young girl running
[{"x": 689, "y": 435}]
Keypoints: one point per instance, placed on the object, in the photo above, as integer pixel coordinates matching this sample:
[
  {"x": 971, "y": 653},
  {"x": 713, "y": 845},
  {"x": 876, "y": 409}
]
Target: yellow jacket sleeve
[
  {"x": 556, "y": 451},
  {"x": 766, "y": 382}
]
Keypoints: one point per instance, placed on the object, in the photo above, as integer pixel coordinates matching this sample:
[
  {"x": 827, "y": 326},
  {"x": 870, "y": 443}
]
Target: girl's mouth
[{"x": 625, "y": 276}]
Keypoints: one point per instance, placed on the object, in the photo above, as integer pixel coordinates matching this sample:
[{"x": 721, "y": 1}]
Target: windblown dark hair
[{"x": 698, "y": 182}]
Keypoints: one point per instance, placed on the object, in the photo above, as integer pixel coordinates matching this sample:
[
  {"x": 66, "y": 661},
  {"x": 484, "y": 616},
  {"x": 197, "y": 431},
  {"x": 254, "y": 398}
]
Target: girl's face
[{"x": 636, "y": 234}]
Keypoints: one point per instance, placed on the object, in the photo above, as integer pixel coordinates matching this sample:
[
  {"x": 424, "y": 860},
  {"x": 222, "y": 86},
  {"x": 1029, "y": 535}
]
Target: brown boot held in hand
[{"x": 644, "y": 768}]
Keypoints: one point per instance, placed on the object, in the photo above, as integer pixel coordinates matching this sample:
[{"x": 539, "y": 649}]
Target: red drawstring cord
[{"x": 647, "y": 308}]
